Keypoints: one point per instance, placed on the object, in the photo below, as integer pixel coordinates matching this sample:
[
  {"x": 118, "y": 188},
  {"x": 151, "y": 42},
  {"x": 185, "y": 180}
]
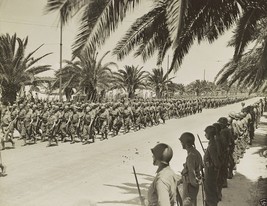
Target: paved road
[{"x": 97, "y": 173}]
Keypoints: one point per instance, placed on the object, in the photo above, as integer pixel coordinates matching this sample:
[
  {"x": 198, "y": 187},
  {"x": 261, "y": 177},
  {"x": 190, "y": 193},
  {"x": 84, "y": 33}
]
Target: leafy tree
[
  {"x": 130, "y": 79},
  {"x": 16, "y": 68}
]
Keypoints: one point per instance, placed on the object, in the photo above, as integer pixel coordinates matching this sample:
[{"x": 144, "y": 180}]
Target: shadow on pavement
[
  {"x": 240, "y": 191},
  {"x": 131, "y": 188}
]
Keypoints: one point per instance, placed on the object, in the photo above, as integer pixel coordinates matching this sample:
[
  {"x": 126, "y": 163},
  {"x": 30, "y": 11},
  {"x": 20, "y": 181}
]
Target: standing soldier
[
  {"x": 228, "y": 153},
  {"x": 211, "y": 164},
  {"x": 191, "y": 174},
  {"x": 162, "y": 191}
]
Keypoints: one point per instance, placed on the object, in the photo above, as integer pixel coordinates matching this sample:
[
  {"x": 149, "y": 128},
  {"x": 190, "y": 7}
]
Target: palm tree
[
  {"x": 87, "y": 74},
  {"x": 16, "y": 68},
  {"x": 175, "y": 24},
  {"x": 200, "y": 86},
  {"x": 175, "y": 87},
  {"x": 130, "y": 79},
  {"x": 248, "y": 69},
  {"x": 159, "y": 81}
]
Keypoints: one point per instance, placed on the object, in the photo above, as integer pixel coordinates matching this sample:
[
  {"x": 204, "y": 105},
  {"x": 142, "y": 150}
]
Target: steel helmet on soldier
[
  {"x": 223, "y": 120},
  {"x": 187, "y": 138},
  {"x": 163, "y": 153}
]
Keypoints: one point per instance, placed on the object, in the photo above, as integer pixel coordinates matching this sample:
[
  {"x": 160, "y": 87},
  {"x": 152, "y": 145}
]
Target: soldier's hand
[{"x": 180, "y": 181}]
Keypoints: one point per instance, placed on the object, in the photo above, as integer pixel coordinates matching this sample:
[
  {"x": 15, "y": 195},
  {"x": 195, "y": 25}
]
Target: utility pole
[
  {"x": 204, "y": 75},
  {"x": 167, "y": 75},
  {"x": 60, "y": 62}
]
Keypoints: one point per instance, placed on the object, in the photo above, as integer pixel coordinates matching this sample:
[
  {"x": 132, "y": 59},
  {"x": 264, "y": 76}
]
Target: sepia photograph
[{"x": 133, "y": 103}]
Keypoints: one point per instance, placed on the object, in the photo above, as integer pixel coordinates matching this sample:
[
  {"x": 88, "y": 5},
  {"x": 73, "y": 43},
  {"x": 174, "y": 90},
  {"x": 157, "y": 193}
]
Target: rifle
[
  {"x": 201, "y": 144},
  {"x": 179, "y": 197},
  {"x": 202, "y": 172},
  {"x": 137, "y": 184}
]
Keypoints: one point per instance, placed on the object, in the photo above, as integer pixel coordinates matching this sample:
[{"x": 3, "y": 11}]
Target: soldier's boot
[
  {"x": 12, "y": 142},
  {"x": 93, "y": 138},
  {"x": 56, "y": 141},
  {"x": 72, "y": 139},
  {"x": 3, "y": 144},
  {"x": 106, "y": 135},
  {"x": 3, "y": 169},
  {"x": 230, "y": 173},
  {"x": 34, "y": 139},
  {"x": 225, "y": 185},
  {"x": 49, "y": 142},
  {"x": 25, "y": 140}
]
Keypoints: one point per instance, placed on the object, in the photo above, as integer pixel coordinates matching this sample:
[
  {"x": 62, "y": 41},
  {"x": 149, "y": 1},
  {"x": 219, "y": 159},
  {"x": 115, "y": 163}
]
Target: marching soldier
[{"x": 52, "y": 125}]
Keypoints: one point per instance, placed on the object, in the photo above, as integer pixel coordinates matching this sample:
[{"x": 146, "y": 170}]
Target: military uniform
[
  {"x": 191, "y": 174},
  {"x": 162, "y": 191},
  {"x": 211, "y": 165}
]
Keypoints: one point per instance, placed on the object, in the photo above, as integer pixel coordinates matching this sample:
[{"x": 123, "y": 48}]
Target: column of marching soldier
[{"x": 81, "y": 122}]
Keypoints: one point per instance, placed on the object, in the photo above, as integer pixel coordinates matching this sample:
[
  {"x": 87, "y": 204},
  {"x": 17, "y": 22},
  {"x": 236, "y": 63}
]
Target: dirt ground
[{"x": 101, "y": 173}]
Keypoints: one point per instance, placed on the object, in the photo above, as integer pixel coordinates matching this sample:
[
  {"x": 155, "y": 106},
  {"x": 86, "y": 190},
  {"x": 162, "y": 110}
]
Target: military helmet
[
  {"x": 187, "y": 138},
  {"x": 87, "y": 109},
  {"x": 232, "y": 115},
  {"x": 163, "y": 153},
  {"x": 223, "y": 120},
  {"x": 211, "y": 130},
  {"x": 218, "y": 126}
]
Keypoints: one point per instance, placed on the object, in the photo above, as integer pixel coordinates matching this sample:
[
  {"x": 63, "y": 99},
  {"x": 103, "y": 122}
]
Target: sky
[{"x": 27, "y": 18}]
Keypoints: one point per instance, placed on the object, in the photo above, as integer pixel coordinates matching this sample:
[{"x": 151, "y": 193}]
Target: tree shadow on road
[
  {"x": 241, "y": 191},
  {"x": 260, "y": 139},
  {"x": 131, "y": 188}
]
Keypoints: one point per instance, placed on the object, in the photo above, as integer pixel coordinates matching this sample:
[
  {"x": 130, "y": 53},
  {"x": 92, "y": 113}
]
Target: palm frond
[
  {"x": 100, "y": 18},
  {"x": 244, "y": 32},
  {"x": 66, "y": 8},
  {"x": 38, "y": 69},
  {"x": 140, "y": 31},
  {"x": 176, "y": 14}
]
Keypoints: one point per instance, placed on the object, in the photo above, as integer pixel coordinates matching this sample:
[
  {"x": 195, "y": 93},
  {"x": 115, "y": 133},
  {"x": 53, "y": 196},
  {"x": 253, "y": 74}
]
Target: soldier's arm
[
  {"x": 190, "y": 162},
  {"x": 214, "y": 156}
]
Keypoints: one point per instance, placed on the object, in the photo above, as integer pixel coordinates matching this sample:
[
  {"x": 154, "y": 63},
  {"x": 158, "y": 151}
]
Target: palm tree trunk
[{"x": 9, "y": 94}]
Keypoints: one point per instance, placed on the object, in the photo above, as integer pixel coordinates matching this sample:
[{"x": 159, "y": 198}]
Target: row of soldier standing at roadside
[
  {"x": 56, "y": 121},
  {"x": 228, "y": 139}
]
